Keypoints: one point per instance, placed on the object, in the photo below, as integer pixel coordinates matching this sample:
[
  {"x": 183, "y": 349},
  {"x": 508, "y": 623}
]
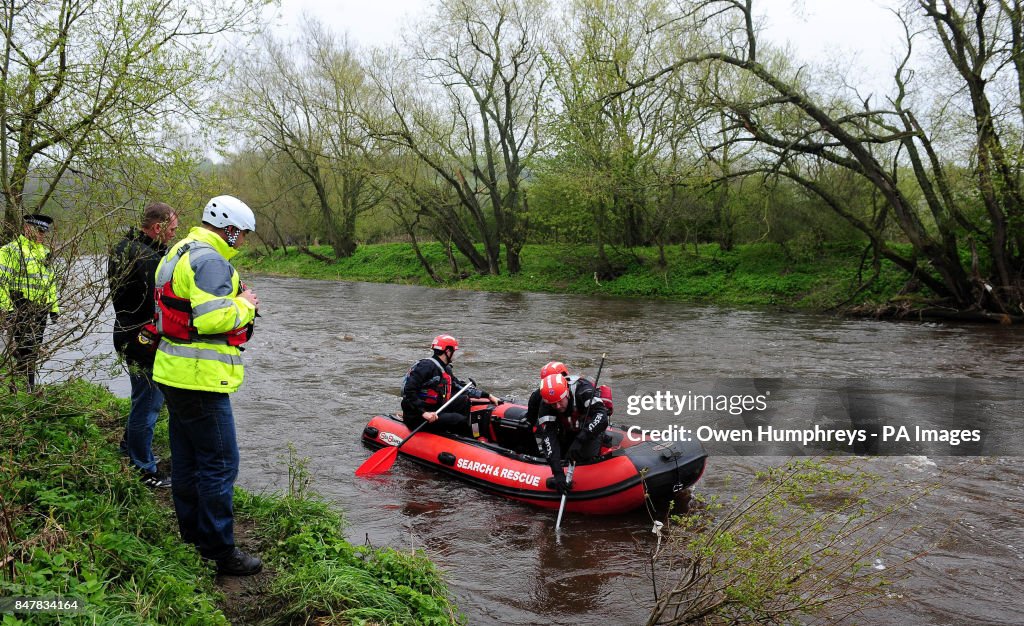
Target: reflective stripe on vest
[
  {"x": 17, "y": 273},
  {"x": 191, "y": 352},
  {"x": 213, "y": 305},
  {"x": 24, "y": 268}
]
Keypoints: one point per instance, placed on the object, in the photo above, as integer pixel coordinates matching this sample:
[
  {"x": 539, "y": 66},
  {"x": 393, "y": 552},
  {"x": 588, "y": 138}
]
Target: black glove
[
  {"x": 53, "y": 316},
  {"x": 575, "y": 451},
  {"x": 559, "y": 484}
]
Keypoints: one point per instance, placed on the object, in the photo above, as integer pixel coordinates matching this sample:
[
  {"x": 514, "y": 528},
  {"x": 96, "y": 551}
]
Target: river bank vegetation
[
  {"x": 812, "y": 541},
  {"x": 76, "y": 522},
  {"x": 746, "y": 275}
]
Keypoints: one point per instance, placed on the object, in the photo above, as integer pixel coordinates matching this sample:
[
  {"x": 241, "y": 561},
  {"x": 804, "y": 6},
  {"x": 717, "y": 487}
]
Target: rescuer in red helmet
[
  {"x": 430, "y": 383},
  {"x": 554, "y": 367},
  {"x": 567, "y": 413}
]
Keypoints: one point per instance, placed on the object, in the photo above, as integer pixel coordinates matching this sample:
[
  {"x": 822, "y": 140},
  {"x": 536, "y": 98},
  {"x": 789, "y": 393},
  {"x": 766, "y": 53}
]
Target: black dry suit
[
  {"x": 578, "y": 428},
  {"x": 426, "y": 387}
]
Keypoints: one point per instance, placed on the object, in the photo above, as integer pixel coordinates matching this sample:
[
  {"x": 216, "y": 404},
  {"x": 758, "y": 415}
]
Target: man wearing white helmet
[{"x": 204, "y": 313}]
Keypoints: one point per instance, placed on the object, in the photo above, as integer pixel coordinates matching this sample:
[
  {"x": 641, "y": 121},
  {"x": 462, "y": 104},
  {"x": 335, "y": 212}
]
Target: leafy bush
[
  {"x": 78, "y": 522},
  {"x": 322, "y": 576},
  {"x": 805, "y": 544}
]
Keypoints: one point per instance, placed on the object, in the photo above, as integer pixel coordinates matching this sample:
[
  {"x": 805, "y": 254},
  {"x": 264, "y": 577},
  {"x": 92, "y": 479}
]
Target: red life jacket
[
  {"x": 433, "y": 395},
  {"x": 173, "y": 315},
  {"x": 605, "y": 393}
]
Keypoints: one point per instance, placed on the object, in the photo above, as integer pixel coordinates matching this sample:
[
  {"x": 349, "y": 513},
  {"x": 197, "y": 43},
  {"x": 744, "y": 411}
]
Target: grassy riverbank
[
  {"x": 76, "y": 522},
  {"x": 749, "y": 275}
]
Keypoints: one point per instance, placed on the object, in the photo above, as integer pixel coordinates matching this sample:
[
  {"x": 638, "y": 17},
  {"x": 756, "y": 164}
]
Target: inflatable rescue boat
[{"x": 503, "y": 460}]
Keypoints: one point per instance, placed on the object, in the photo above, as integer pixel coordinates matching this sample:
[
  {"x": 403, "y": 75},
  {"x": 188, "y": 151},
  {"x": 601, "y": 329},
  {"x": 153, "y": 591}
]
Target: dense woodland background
[{"x": 497, "y": 123}]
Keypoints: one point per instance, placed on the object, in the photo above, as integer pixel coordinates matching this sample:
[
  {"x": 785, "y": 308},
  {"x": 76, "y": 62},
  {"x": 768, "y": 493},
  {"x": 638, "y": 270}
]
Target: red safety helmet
[
  {"x": 554, "y": 367},
  {"x": 443, "y": 342},
  {"x": 553, "y": 389}
]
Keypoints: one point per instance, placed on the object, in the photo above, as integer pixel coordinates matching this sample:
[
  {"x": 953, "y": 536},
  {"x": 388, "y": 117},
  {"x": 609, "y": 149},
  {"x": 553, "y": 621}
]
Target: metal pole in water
[{"x": 561, "y": 507}]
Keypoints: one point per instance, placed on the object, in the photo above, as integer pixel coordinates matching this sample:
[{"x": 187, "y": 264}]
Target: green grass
[
  {"x": 322, "y": 575},
  {"x": 75, "y": 521},
  {"x": 83, "y": 525},
  {"x": 749, "y": 275}
]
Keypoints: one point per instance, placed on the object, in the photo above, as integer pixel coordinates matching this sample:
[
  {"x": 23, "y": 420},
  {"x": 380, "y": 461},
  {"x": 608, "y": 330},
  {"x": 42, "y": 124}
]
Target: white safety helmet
[{"x": 224, "y": 211}]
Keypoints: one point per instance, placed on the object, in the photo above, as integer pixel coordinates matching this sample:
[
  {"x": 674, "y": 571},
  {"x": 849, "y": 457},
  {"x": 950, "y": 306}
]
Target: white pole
[{"x": 561, "y": 507}]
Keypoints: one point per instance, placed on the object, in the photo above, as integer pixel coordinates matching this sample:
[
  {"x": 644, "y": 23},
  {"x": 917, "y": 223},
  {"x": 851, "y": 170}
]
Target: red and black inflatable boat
[{"x": 504, "y": 462}]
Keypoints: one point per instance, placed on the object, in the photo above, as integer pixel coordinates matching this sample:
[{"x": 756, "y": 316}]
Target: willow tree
[
  {"x": 472, "y": 113},
  {"x": 304, "y": 101},
  {"x": 427, "y": 179},
  {"x": 910, "y": 145},
  {"x": 621, "y": 158}
]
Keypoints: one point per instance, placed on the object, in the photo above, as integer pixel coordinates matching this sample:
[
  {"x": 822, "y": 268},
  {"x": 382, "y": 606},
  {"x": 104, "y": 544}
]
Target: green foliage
[
  {"x": 348, "y": 593},
  {"x": 91, "y": 98},
  {"x": 386, "y": 262},
  {"x": 75, "y": 521},
  {"x": 81, "y": 524},
  {"x": 322, "y": 575},
  {"x": 804, "y": 543},
  {"x": 749, "y": 275},
  {"x": 562, "y": 203}
]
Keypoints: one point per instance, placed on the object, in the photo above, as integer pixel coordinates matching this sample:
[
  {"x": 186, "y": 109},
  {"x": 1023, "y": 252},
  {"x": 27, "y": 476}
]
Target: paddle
[
  {"x": 382, "y": 460},
  {"x": 561, "y": 507}
]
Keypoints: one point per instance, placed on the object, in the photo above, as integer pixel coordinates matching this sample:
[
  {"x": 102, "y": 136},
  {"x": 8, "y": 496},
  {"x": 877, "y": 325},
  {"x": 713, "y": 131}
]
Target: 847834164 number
[{"x": 53, "y": 604}]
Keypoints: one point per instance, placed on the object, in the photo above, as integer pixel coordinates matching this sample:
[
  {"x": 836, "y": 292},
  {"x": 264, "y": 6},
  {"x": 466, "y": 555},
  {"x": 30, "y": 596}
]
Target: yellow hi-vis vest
[
  {"x": 24, "y": 268},
  {"x": 203, "y": 275}
]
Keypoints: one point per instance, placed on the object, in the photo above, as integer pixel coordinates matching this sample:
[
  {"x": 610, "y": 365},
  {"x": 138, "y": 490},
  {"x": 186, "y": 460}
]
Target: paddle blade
[{"x": 379, "y": 462}]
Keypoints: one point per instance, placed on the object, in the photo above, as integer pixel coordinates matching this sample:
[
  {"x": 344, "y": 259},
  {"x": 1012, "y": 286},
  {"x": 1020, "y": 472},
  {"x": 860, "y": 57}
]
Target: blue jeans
[
  {"x": 204, "y": 466},
  {"x": 138, "y": 433}
]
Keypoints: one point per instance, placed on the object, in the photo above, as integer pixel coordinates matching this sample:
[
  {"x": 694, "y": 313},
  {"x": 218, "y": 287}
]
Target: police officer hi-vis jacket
[{"x": 25, "y": 274}]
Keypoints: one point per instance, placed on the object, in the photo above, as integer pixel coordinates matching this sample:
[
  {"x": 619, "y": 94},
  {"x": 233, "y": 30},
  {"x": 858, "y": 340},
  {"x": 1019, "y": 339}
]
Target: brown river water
[{"x": 328, "y": 355}]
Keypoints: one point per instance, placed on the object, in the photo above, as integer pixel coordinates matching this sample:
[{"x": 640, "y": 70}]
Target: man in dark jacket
[
  {"x": 567, "y": 412},
  {"x": 132, "y": 273},
  {"x": 430, "y": 383}
]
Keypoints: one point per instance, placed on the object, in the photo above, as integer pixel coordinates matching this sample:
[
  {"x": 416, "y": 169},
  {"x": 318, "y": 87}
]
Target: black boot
[{"x": 239, "y": 563}]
